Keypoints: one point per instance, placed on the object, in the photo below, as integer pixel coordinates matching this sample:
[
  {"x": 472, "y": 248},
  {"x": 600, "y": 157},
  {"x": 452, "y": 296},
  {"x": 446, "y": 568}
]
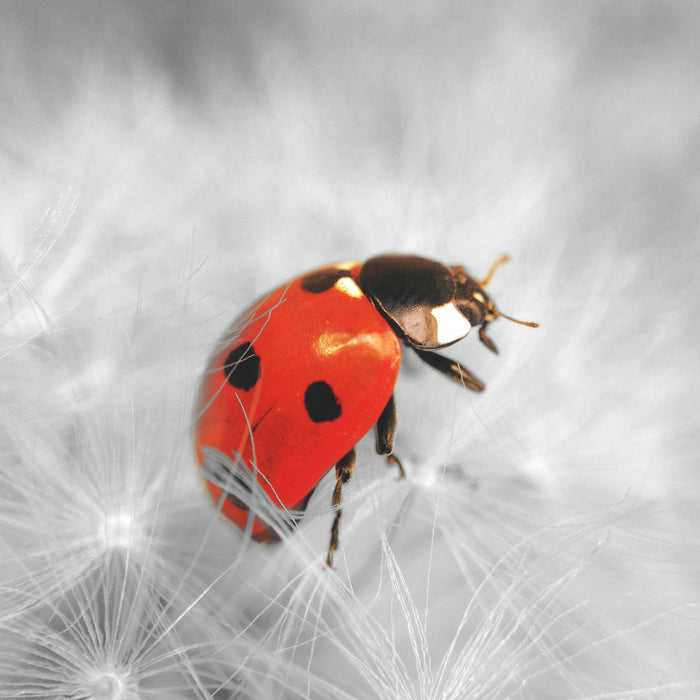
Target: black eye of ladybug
[{"x": 474, "y": 311}]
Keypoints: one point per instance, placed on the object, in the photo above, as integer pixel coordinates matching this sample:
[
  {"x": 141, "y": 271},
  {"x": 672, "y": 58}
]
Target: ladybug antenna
[
  {"x": 482, "y": 331},
  {"x": 532, "y": 324},
  {"x": 494, "y": 266},
  {"x": 489, "y": 276}
]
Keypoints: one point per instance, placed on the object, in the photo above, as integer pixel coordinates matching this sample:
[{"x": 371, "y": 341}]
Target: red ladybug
[{"x": 306, "y": 372}]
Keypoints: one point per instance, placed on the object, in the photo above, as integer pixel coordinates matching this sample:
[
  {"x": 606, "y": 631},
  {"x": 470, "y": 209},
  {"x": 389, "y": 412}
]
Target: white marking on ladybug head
[
  {"x": 451, "y": 324},
  {"x": 347, "y": 285}
]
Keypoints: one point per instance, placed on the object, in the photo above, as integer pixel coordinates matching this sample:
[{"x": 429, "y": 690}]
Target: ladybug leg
[
  {"x": 386, "y": 428},
  {"x": 343, "y": 472},
  {"x": 450, "y": 368},
  {"x": 485, "y": 339}
]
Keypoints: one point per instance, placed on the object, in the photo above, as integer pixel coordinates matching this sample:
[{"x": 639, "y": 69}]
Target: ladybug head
[
  {"x": 428, "y": 304},
  {"x": 473, "y": 302},
  {"x": 471, "y": 299}
]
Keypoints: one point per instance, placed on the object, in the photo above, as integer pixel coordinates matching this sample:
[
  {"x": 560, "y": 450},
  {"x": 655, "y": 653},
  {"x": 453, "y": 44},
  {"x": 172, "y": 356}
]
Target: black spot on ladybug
[
  {"x": 321, "y": 403},
  {"x": 322, "y": 280},
  {"x": 242, "y": 367}
]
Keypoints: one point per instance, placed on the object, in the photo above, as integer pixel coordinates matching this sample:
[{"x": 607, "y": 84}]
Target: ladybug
[{"x": 307, "y": 371}]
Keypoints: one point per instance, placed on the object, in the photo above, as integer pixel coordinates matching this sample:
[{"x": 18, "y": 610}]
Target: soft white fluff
[{"x": 163, "y": 165}]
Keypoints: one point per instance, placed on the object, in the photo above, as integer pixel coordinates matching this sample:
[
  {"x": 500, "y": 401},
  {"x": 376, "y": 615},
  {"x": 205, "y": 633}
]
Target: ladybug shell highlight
[{"x": 297, "y": 381}]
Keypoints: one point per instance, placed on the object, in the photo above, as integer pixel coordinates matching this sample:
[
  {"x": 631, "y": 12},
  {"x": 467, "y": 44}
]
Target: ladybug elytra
[{"x": 306, "y": 372}]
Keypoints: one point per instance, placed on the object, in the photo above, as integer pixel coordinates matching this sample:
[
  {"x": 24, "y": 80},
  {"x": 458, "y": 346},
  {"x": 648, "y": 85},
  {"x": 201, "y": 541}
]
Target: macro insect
[{"x": 307, "y": 371}]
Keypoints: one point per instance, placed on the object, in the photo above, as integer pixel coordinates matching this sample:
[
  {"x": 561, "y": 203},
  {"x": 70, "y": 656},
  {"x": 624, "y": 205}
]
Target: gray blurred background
[{"x": 162, "y": 164}]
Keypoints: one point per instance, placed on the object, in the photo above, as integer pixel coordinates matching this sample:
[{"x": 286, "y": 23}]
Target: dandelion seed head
[
  {"x": 424, "y": 474},
  {"x": 120, "y": 528},
  {"x": 110, "y": 684}
]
